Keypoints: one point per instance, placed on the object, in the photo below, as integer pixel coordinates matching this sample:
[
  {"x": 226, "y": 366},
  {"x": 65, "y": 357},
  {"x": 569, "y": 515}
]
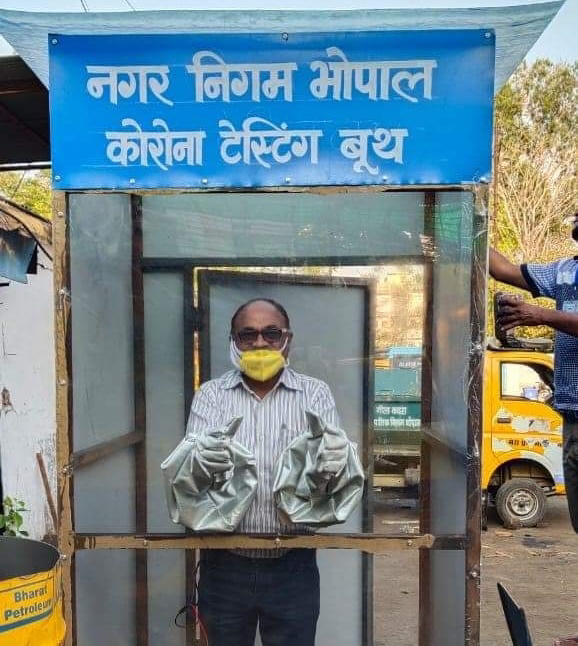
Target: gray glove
[
  {"x": 212, "y": 456},
  {"x": 333, "y": 448},
  {"x": 319, "y": 478},
  {"x": 210, "y": 480}
]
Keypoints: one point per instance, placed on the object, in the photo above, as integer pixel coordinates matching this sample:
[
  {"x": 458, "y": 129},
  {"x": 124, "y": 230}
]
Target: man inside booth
[{"x": 276, "y": 589}]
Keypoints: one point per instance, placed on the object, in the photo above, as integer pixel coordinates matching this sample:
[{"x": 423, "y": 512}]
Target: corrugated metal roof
[
  {"x": 14, "y": 218},
  {"x": 24, "y": 119},
  {"x": 24, "y": 115},
  {"x": 517, "y": 27}
]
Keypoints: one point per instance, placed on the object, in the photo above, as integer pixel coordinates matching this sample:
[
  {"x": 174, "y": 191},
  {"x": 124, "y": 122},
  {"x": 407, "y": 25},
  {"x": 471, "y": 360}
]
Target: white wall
[{"x": 27, "y": 371}]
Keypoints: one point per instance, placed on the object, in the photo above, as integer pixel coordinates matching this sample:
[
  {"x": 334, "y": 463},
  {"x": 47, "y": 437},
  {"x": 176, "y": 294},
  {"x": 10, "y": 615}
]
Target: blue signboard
[{"x": 250, "y": 110}]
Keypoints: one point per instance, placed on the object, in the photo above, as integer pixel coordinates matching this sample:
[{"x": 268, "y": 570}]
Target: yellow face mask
[{"x": 261, "y": 365}]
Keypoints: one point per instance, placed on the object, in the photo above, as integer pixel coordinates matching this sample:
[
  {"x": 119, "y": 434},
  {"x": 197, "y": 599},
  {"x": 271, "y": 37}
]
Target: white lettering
[
  {"x": 162, "y": 146},
  {"x": 372, "y": 78},
  {"x": 125, "y": 81},
  {"x": 215, "y": 79},
  {"x": 267, "y": 139},
  {"x": 354, "y": 146}
]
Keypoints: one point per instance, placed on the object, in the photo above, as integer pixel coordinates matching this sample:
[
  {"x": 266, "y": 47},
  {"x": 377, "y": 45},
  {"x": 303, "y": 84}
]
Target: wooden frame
[{"x": 141, "y": 541}]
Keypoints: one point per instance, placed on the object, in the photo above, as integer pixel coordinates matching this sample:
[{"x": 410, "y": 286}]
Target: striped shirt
[{"x": 269, "y": 425}]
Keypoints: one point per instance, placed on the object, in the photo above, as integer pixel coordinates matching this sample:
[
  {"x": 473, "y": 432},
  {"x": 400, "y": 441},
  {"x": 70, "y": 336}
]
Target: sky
[{"x": 558, "y": 42}]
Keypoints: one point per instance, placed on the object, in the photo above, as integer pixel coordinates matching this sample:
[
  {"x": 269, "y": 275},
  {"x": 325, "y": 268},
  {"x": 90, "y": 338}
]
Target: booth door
[{"x": 330, "y": 322}]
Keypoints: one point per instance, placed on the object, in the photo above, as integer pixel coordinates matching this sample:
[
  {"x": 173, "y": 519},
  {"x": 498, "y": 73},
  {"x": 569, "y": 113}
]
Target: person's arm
[
  {"x": 324, "y": 405},
  {"x": 517, "y": 312},
  {"x": 205, "y": 413},
  {"x": 505, "y": 271},
  {"x": 211, "y": 458}
]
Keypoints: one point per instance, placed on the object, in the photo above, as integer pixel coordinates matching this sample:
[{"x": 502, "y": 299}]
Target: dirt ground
[{"x": 539, "y": 566}]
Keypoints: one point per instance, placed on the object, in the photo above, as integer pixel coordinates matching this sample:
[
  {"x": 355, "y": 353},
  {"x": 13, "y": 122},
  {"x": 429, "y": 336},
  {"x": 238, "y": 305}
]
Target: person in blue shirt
[{"x": 557, "y": 280}]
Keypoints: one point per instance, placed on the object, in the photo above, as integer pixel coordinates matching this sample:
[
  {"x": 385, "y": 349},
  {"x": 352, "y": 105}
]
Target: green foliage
[
  {"x": 11, "y": 520},
  {"x": 30, "y": 189}
]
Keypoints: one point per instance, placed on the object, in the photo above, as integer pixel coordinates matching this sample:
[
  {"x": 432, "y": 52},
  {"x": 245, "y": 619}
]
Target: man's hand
[
  {"x": 332, "y": 456},
  {"x": 214, "y": 455},
  {"x": 514, "y": 312}
]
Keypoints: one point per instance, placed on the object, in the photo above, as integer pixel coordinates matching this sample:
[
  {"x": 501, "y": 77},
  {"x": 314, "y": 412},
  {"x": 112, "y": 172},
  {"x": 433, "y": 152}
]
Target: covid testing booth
[{"x": 203, "y": 159}]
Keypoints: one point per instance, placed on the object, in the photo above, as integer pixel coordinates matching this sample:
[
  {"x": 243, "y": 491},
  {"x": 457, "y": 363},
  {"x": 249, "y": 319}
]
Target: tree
[
  {"x": 30, "y": 189},
  {"x": 536, "y": 159},
  {"x": 536, "y": 164}
]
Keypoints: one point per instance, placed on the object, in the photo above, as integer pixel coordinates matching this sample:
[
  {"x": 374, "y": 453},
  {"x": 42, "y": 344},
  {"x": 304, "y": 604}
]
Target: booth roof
[
  {"x": 517, "y": 27},
  {"x": 24, "y": 130},
  {"x": 24, "y": 118}
]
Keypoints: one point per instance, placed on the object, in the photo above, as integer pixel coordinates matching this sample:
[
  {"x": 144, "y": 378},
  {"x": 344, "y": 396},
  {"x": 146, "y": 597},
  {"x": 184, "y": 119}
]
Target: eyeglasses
[{"x": 270, "y": 334}]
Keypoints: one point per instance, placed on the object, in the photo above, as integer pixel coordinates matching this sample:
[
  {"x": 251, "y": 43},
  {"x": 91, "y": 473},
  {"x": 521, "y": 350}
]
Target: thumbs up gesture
[
  {"x": 333, "y": 449},
  {"x": 213, "y": 454}
]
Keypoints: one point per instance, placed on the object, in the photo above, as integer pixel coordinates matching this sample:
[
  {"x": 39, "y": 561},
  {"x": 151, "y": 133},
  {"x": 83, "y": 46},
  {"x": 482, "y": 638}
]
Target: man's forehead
[{"x": 259, "y": 311}]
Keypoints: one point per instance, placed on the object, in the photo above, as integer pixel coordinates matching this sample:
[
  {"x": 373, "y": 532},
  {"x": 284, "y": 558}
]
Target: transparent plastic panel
[
  {"x": 330, "y": 335},
  {"x": 396, "y": 599},
  {"x": 167, "y": 595},
  {"x": 104, "y": 494},
  {"x": 165, "y": 400},
  {"x": 447, "y": 486},
  {"x": 447, "y": 595},
  {"x": 451, "y": 334},
  {"x": 101, "y": 309},
  {"x": 105, "y": 598},
  {"x": 101, "y": 301},
  {"x": 359, "y": 276},
  {"x": 330, "y": 342},
  {"x": 296, "y": 225}
]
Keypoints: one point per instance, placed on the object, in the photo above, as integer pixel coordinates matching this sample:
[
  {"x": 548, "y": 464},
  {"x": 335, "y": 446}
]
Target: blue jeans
[
  {"x": 280, "y": 594},
  {"x": 570, "y": 462}
]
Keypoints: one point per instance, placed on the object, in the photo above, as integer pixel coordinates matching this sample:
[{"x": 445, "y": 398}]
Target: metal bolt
[
  {"x": 488, "y": 34},
  {"x": 54, "y": 41},
  {"x": 473, "y": 574},
  {"x": 62, "y": 382},
  {"x": 145, "y": 543},
  {"x": 131, "y": 180},
  {"x": 409, "y": 543},
  {"x": 60, "y": 214},
  {"x": 205, "y": 180},
  {"x": 57, "y": 178},
  {"x": 63, "y": 557},
  {"x": 277, "y": 541}
]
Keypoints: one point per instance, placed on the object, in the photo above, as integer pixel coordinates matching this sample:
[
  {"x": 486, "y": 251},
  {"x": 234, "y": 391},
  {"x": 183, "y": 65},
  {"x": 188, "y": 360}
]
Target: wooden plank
[
  {"x": 474, "y": 437},
  {"x": 62, "y": 333},
  {"x": 140, "y": 455},
  {"x": 103, "y": 449},
  {"x": 426, "y": 405},
  {"x": 21, "y": 86},
  {"x": 370, "y": 543},
  {"x": 190, "y": 327},
  {"x": 47, "y": 491}
]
